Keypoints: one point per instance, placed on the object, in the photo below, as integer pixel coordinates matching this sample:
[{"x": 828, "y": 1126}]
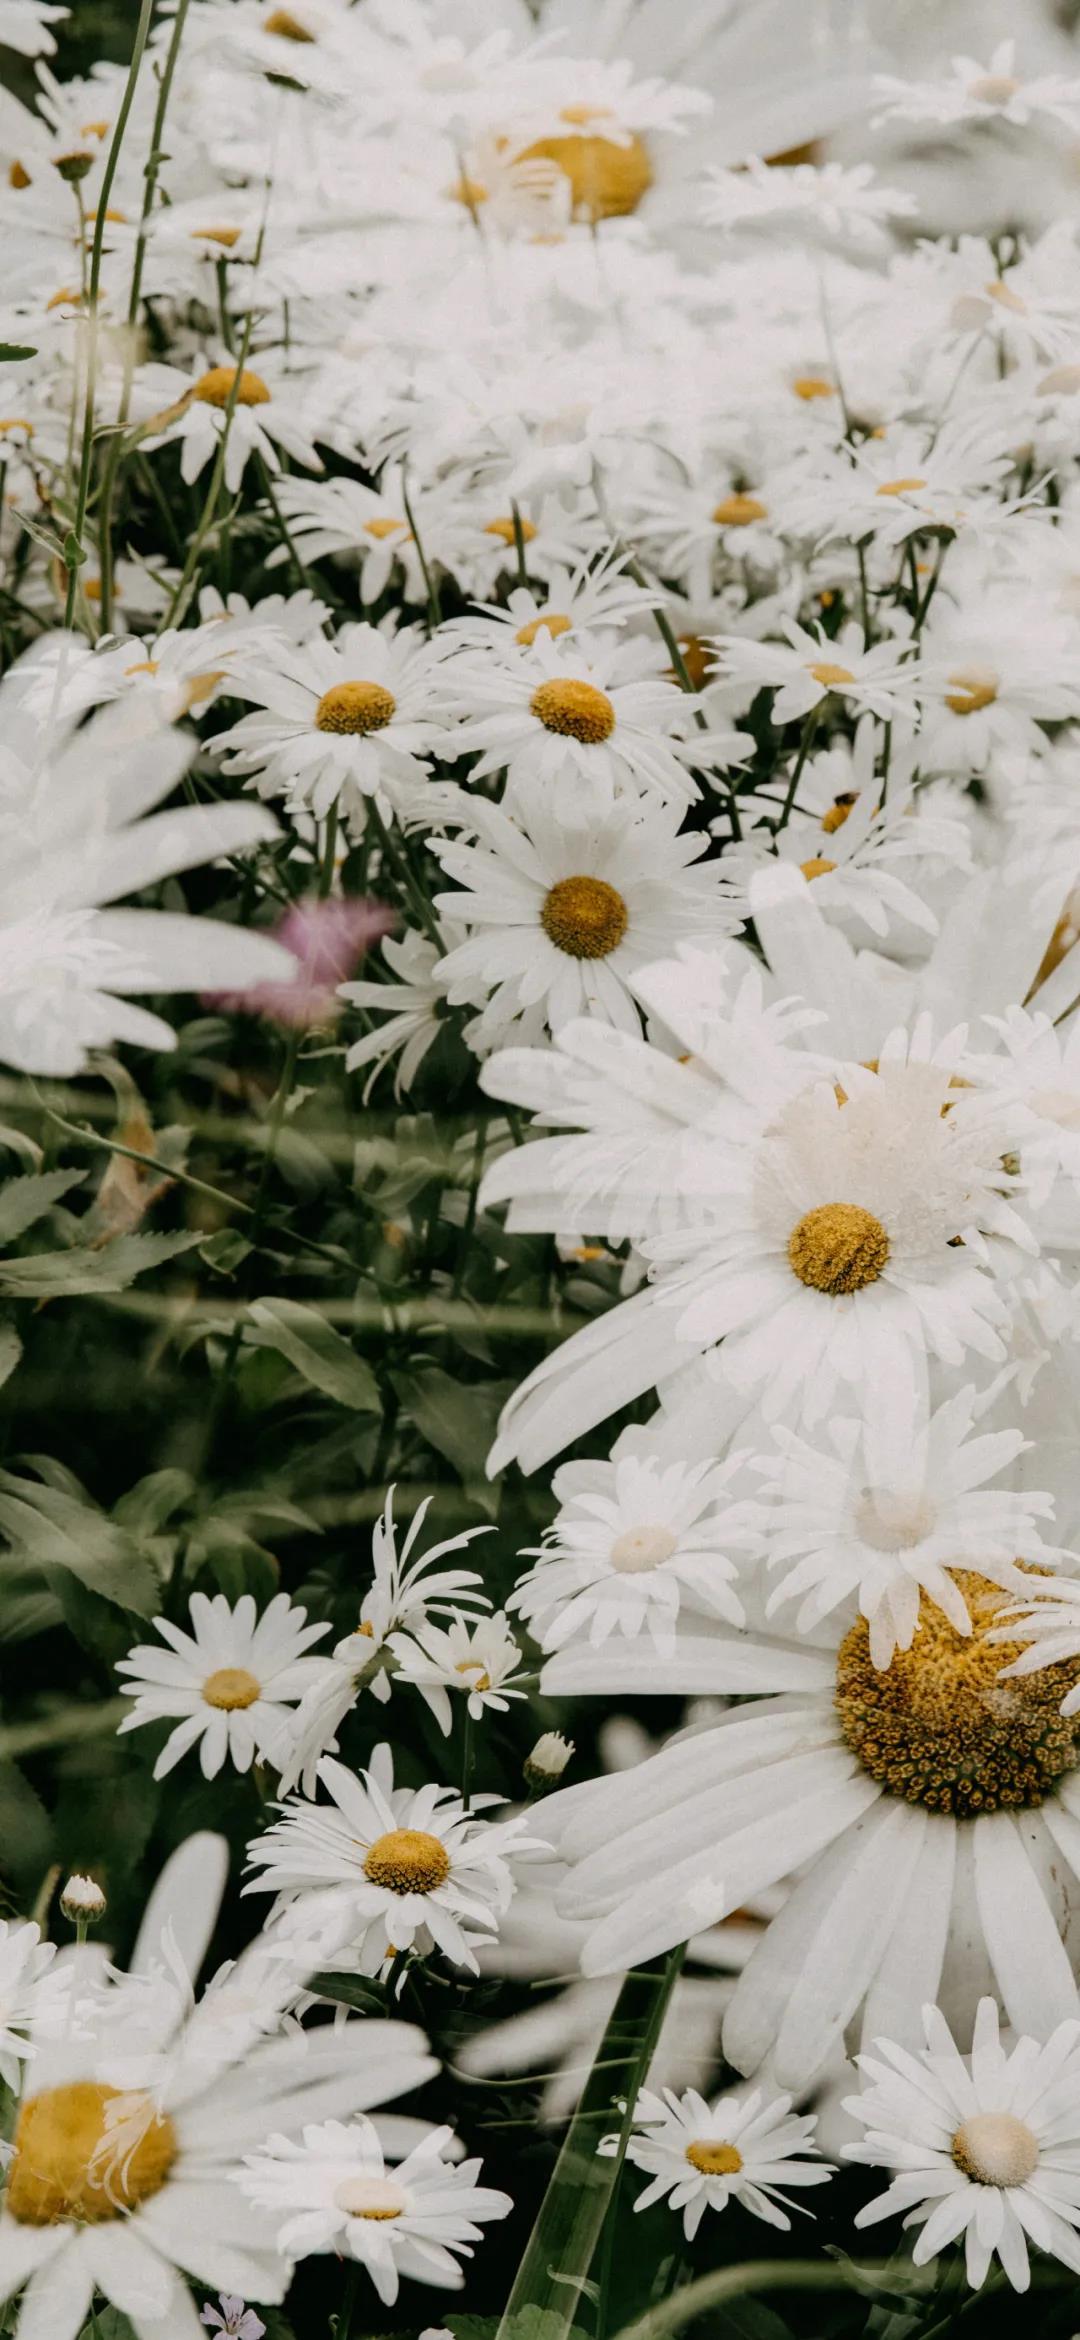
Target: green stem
[
  {"x": 809, "y": 728},
  {"x": 74, "y": 550},
  {"x": 434, "y": 604},
  {"x": 727, "y": 2283},
  {"x": 343, "y": 2323}
]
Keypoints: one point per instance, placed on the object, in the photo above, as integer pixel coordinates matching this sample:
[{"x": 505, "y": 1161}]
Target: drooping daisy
[
  {"x": 576, "y": 711},
  {"x": 131, "y": 2126},
  {"x": 892, "y": 1511},
  {"x": 408, "y": 1588},
  {"x": 231, "y": 1681},
  {"x": 332, "y": 2190},
  {"x": 636, "y": 1543},
  {"x": 475, "y": 1660},
  {"x": 34, "y": 1994},
  {"x": 381, "y": 1869},
  {"x": 268, "y": 414},
  {"x": 413, "y": 1003},
  {"x": 985, "y": 2147},
  {"x": 562, "y": 910},
  {"x": 931, "y": 1811},
  {"x": 744, "y": 2148},
  {"x": 339, "y": 721}
]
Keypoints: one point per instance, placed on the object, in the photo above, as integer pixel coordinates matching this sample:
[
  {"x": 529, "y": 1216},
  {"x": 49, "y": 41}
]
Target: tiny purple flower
[{"x": 235, "y": 2321}]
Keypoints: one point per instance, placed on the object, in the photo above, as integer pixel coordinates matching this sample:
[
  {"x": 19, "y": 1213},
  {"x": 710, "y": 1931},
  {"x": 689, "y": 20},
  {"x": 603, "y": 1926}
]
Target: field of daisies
[{"x": 539, "y": 1169}]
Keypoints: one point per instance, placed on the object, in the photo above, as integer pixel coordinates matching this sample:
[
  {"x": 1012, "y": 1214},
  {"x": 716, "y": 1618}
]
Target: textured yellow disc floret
[
  {"x": 286, "y": 26},
  {"x": 714, "y": 2159},
  {"x": 76, "y": 2160},
  {"x": 996, "y": 2149},
  {"x": 817, "y": 866},
  {"x": 506, "y": 530},
  {"x": 838, "y": 1248},
  {"x": 606, "y": 180},
  {"x": 585, "y": 917},
  {"x": 839, "y": 811},
  {"x": 973, "y": 688},
  {"x": 831, "y": 677},
  {"x": 355, "y": 707},
  {"x": 552, "y": 622},
  {"x": 215, "y": 388},
  {"x": 808, "y": 386},
  {"x": 231, "y": 1687},
  {"x": 739, "y": 511},
  {"x": 941, "y": 1728},
  {"x": 576, "y": 710},
  {"x": 407, "y": 1860}
]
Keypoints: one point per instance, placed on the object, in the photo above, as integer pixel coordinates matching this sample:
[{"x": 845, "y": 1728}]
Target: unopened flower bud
[
  {"x": 548, "y": 1760},
  {"x": 73, "y": 167},
  {"x": 82, "y": 1901}
]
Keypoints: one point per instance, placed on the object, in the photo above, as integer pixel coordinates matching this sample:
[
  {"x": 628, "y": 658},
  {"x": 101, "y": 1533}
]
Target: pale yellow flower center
[
  {"x": 585, "y": 917},
  {"x": 382, "y": 528},
  {"x": 641, "y": 1548},
  {"x": 87, "y": 2153},
  {"x": 817, "y": 866},
  {"x": 809, "y": 386},
  {"x": 996, "y": 2149},
  {"x": 829, "y": 676},
  {"x": 355, "y": 707},
  {"x": 994, "y": 89},
  {"x": 899, "y": 487},
  {"x": 369, "y": 2197},
  {"x": 838, "y": 1248},
  {"x": 576, "y": 710},
  {"x": 231, "y": 1687},
  {"x": 407, "y": 1860},
  {"x": 504, "y": 528}
]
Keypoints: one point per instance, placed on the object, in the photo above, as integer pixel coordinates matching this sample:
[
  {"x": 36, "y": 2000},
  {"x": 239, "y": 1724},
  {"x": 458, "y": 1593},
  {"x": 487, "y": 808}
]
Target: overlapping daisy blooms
[{"x": 540, "y": 1131}]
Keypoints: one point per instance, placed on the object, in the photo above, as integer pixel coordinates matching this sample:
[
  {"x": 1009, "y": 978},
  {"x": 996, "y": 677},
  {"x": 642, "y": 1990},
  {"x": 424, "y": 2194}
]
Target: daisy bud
[
  {"x": 548, "y": 1760},
  {"x": 74, "y": 166},
  {"x": 82, "y": 1901}
]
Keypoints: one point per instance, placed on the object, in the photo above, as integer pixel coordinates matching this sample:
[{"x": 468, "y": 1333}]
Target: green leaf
[
  {"x": 153, "y": 1501},
  {"x": 53, "y": 1275},
  {"x": 349, "y": 1990},
  {"x": 23, "y": 1200},
  {"x": 457, "y": 1418},
  {"x": 316, "y": 1351},
  {"x": 13, "y": 353},
  {"x": 10, "y": 1351},
  {"x": 226, "y": 1251},
  {"x": 51, "y": 1528}
]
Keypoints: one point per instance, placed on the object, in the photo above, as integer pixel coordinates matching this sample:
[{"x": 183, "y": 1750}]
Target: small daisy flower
[
  {"x": 230, "y": 1680},
  {"x": 380, "y": 1870},
  {"x": 34, "y": 1994},
  {"x": 635, "y": 1545},
  {"x": 475, "y": 1661},
  {"x": 563, "y": 911},
  {"x": 985, "y": 2146},
  {"x": 367, "y": 527},
  {"x": 582, "y": 711},
  {"x": 268, "y": 415},
  {"x": 833, "y": 201},
  {"x": 745, "y": 2148},
  {"x": 338, "y": 721},
  {"x": 332, "y": 2190},
  {"x": 573, "y": 601},
  {"x": 994, "y": 673},
  {"x": 891, "y": 1512},
  {"x": 413, "y": 1004},
  {"x": 976, "y": 92},
  {"x": 806, "y": 668}
]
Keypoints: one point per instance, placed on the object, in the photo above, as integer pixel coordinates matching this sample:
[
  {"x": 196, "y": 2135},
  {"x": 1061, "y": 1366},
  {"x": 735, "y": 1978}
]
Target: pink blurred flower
[{"x": 327, "y": 940}]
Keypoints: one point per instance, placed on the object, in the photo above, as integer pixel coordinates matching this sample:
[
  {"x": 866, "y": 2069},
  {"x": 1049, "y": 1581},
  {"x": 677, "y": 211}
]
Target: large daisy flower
[
  {"x": 132, "y": 2123},
  {"x": 339, "y": 721},
  {"x": 582, "y": 711}
]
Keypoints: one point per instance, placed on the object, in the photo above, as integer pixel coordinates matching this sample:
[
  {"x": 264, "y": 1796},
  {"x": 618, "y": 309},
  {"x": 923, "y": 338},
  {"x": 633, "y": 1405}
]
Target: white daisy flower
[
  {"x": 474, "y": 1660},
  {"x": 890, "y": 1514},
  {"x": 339, "y": 721},
  {"x": 563, "y": 909},
  {"x": 985, "y": 2146},
  {"x": 34, "y": 1994},
  {"x": 24, "y": 25},
  {"x": 637, "y": 1543},
  {"x": 807, "y": 668},
  {"x": 231, "y": 1681},
  {"x": 413, "y": 1003},
  {"x": 368, "y": 526},
  {"x": 268, "y": 414},
  {"x": 573, "y": 601},
  {"x": 743, "y": 2148},
  {"x": 994, "y": 673},
  {"x": 130, "y": 2127},
  {"x": 408, "y": 1587},
  {"x": 382, "y": 1869},
  {"x": 930, "y": 1810},
  {"x": 832, "y": 201},
  {"x": 576, "y": 711},
  {"x": 977, "y": 92},
  {"x": 331, "y": 2190}
]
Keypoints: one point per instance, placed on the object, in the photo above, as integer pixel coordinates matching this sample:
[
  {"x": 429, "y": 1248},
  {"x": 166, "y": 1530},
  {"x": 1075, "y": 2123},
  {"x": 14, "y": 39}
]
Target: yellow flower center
[
  {"x": 839, "y": 811},
  {"x": 382, "y": 528},
  {"x": 355, "y": 707},
  {"x": 369, "y": 2197},
  {"x": 471, "y": 193},
  {"x": 407, "y": 1860},
  {"x": 939, "y": 1726},
  {"x": 809, "y": 386},
  {"x": 607, "y": 181},
  {"x": 286, "y": 26},
  {"x": 584, "y": 917},
  {"x": 899, "y": 487},
  {"x": 17, "y": 176},
  {"x": 641, "y": 1548},
  {"x": 971, "y": 689},
  {"x": 87, "y": 2153},
  {"x": 16, "y": 422},
  {"x": 228, "y": 236},
  {"x": 830, "y": 677},
  {"x": 714, "y": 2159},
  {"x": 474, "y": 1673},
  {"x": 739, "y": 511},
  {"x": 215, "y": 388},
  {"x": 996, "y": 2149},
  {"x": 995, "y": 89},
  {"x": 838, "y": 1248},
  {"x": 551, "y": 622},
  {"x": 142, "y": 666},
  {"x": 816, "y": 867},
  {"x": 576, "y": 710},
  {"x": 231, "y": 1687},
  {"x": 505, "y": 529},
  {"x": 697, "y": 657}
]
